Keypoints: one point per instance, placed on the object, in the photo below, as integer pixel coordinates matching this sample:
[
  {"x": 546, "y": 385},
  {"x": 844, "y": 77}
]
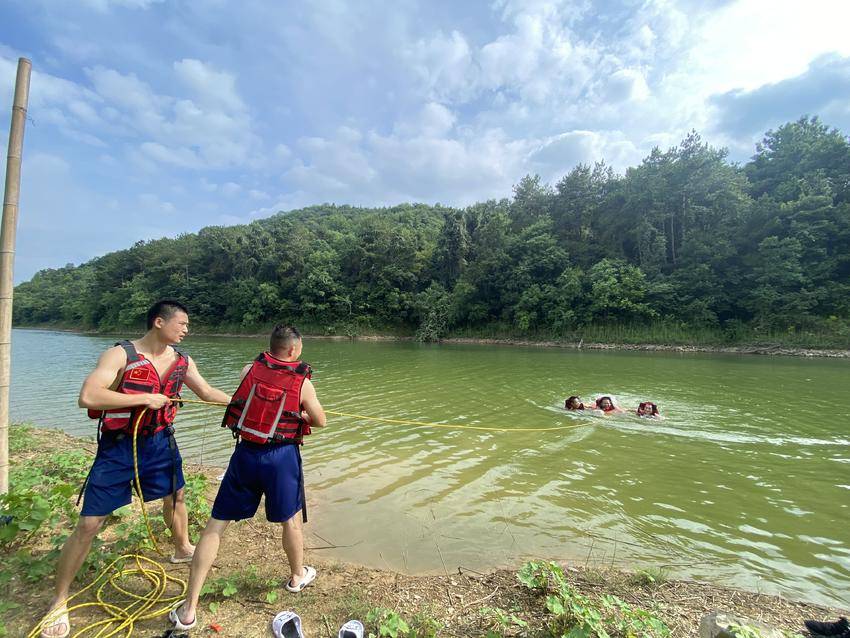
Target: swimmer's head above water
[
  {"x": 573, "y": 403},
  {"x": 647, "y": 408},
  {"x": 605, "y": 404}
]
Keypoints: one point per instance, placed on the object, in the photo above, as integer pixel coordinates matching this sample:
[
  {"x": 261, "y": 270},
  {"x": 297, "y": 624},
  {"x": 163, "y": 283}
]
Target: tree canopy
[{"x": 686, "y": 237}]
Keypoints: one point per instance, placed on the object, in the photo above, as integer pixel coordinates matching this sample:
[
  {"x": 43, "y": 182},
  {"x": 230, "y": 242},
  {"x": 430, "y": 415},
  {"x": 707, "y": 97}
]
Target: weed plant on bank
[
  {"x": 819, "y": 335},
  {"x": 39, "y": 513}
]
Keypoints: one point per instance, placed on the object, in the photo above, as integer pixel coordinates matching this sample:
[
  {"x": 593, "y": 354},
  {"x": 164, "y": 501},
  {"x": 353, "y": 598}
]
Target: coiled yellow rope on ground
[{"x": 143, "y": 606}]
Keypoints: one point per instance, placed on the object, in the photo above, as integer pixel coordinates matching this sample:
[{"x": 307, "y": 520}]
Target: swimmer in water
[
  {"x": 573, "y": 403},
  {"x": 648, "y": 410},
  {"x": 606, "y": 404}
]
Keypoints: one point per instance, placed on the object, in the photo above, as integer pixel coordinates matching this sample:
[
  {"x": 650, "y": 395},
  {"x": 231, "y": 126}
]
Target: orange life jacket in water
[{"x": 266, "y": 406}]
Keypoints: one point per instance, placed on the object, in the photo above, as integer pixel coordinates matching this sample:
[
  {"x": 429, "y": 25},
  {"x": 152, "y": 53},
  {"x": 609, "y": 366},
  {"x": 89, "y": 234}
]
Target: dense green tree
[
  {"x": 617, "y": 292},
  {"x": 684, "y": 238},
  {"x": 778, "y": 298},
  {"x": 794, "y": 153}
]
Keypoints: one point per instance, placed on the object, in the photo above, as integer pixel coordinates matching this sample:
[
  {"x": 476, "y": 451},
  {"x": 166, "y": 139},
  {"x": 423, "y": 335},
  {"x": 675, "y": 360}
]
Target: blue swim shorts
[
  {"x": 273, "y": 470},
  {"x": 111, "y": 480}
]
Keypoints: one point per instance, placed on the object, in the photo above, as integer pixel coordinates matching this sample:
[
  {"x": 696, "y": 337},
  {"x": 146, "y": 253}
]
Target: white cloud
[
  {"x": 127, "y": 92},
  {"x": 152, "y": 204},
  {"x": 78, "y": 48},
  {"x": 213, "y": 132},
  {"x": 444, "y": 64},
  {"x": 432, "y": 120},
  {"x": 625, "y": 85},
  {"x": 410, "y": 164},
  {"x": 282, "y": 151},
  {"x": 746, "y": 44},
  {"x": 175, "y": 156},
  {"x": 557, "y": 155},
  {"x": 210, "y": 87},
  {"x": 106, "y": 5},
  {"x": 230, "y": 188}
]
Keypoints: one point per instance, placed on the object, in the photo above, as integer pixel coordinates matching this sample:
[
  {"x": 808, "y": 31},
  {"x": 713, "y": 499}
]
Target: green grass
[
  {"x": 650, "y": 577},
  {"x": 824, "y": 336}
]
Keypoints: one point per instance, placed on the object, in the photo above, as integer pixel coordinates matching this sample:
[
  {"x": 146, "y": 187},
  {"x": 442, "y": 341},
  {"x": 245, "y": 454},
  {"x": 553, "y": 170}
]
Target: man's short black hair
[
  {"x": 283, "y": 337},
  {"x": 165, "y": 308}
]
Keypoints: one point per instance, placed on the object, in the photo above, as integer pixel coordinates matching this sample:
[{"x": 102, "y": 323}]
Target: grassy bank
[
  {"x": 671, "y": 334},
  {"x": 245, "y": 587}
]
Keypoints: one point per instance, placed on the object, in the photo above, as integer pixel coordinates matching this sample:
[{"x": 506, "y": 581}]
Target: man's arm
[
  {"x": 310, "y": 404},
  {"x": 97, "y": 394},
  {"x": 199, "y": 386}
]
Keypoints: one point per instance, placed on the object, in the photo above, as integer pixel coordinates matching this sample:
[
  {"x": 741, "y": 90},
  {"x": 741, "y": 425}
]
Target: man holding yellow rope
[
  {"x": 134, "y": 384},
  {"x": 271, "y": 411}
]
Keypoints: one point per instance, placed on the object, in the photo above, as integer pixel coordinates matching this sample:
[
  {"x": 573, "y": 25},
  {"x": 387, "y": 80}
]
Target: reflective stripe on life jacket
[
  {"x": 141, "y": 377},
  {"x": 266, "y": 406}
]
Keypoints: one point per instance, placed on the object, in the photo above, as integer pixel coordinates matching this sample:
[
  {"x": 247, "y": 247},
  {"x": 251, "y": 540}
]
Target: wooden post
[{"x": 7, "y": 255}]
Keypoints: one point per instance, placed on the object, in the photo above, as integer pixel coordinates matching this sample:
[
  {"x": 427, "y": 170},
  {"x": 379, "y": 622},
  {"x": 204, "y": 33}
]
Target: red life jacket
[
  {"x": 141, "y": 377},
  {"x": 267, "y": 404}
]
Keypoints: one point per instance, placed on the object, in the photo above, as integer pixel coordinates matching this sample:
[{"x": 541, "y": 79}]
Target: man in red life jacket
[
  {"x": 273, "y": 408},
  {"x": 145, "y": 374}
]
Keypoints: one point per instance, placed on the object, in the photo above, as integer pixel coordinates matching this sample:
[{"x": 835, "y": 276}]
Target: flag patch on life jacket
[{"x": 140, "y": 374}]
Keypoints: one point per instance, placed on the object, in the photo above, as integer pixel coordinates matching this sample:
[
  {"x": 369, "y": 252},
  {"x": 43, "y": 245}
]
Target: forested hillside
[{"x": 685, "y": 246}]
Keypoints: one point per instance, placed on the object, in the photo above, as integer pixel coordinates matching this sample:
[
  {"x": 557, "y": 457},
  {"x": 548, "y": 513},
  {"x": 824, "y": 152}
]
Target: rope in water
[
  {"x": 451, "y": 426},
  {"x": 142, "y": 606}
]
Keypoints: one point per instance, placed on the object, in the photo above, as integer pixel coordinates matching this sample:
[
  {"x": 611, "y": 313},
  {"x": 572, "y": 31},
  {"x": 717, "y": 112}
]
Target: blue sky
[{"x": 154, "y": 118}]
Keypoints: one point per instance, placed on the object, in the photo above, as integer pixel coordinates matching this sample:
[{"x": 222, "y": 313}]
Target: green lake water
[{"x": 746, "y": 482}]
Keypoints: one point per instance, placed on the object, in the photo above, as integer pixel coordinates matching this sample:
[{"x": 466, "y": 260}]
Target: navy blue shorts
[
  {"x": 111, "y": 480},
  {"x": 273, "y": 470}
]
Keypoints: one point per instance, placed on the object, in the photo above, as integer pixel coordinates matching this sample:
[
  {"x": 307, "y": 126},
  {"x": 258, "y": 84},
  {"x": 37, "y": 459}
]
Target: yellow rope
[
  {"x": 142, "y": 607},
  {"x": 139, "y": 484},
  {"x": 451, "y": 426}
]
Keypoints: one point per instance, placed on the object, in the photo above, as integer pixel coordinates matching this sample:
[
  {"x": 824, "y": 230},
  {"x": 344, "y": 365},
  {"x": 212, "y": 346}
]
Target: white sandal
[
  {"x": 178, "y": 624},
  {"x": 61, "y": 619},
  {"x": 351, "y": 629},
  {"x": 309, "y": 577},
  {"x": 287, "y": 624}
]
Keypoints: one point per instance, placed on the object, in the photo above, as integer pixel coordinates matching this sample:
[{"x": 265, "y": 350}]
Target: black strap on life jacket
[
  {"x": 172, "y": 445},
  {"x": 301, "y": 484},
  {"x": 132, "y": 357},
  {"x": 130, "y": 349},
  {"x": 302, "y": 368}
]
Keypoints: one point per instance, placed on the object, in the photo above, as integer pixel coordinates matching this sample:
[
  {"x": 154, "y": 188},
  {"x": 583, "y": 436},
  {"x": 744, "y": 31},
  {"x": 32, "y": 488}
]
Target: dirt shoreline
[
  {"x": 775, "y": 350},
  {"x": 452, "y": 601}
]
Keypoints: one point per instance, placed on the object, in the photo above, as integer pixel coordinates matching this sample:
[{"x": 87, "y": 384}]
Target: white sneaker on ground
[{"x": 287, "y": 624}]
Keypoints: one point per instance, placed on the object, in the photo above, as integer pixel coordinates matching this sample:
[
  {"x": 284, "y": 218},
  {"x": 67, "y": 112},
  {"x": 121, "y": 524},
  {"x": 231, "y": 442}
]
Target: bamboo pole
[{"x": 7, "y": 255}]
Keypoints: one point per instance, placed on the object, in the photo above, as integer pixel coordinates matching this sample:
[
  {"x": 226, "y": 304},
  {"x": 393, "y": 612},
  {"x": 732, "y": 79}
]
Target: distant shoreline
[{"x": 755, "y": 349}]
